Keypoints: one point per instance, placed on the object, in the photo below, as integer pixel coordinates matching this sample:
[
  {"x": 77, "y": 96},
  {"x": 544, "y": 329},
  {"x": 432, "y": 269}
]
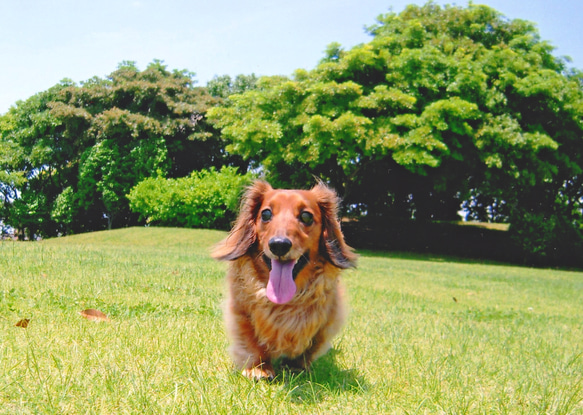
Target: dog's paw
[
  {"x": 297, "y": 365},
  {"x": 257, "y": 373}
]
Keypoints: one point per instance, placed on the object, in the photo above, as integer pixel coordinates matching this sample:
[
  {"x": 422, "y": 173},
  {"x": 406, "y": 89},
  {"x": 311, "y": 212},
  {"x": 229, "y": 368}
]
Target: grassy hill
[{"x": 425, "y": 334}]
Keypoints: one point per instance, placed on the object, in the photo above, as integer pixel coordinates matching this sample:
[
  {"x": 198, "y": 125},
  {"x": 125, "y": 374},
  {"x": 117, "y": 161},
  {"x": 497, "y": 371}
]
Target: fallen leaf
[
  {"x": 23, "y": 323},
  {"x": 94, "y": 315}
]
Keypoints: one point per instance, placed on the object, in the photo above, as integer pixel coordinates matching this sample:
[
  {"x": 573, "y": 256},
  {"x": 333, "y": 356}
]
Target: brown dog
[{"x": 284, "y": 295}]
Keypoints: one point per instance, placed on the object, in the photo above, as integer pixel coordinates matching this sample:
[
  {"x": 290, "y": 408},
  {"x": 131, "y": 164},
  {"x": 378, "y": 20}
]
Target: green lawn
[{"x": 425, "y": 334}]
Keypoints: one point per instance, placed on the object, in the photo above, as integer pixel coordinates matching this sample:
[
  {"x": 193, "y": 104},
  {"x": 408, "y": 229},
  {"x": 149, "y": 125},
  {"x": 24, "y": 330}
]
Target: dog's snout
[{"x": 280, "y": 246}]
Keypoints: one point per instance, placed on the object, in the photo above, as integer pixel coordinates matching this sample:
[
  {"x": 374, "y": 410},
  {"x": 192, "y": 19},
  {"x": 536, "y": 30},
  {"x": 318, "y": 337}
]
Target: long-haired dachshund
[{"x": 284, "y": 299}]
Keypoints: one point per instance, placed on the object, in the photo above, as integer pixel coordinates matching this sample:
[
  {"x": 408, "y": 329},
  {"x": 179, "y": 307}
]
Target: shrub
[
  {"x": 548, "y": 240},
  {"x": 205, "y": 199}
]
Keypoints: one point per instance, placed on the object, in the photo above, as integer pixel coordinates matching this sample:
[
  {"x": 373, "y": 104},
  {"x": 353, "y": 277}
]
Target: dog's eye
[
  {"x": 266, "y": 215},
  {"x": 307, "y": 218}
]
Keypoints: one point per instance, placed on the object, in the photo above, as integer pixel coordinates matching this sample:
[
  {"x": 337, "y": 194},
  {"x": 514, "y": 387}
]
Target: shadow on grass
[{"x": 325, "y": 379}]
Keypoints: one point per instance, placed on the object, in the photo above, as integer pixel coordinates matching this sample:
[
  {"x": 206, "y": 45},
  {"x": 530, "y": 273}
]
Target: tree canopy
[
  {"x": 444, "y": 105},
  {"x": 71, "y": 154}
]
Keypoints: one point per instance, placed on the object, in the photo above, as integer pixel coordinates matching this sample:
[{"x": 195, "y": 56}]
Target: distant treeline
[{"x": 445, "y": 109}]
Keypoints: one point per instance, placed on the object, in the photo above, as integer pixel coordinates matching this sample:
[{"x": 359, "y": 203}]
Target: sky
[{"x": 45, "y": 41}]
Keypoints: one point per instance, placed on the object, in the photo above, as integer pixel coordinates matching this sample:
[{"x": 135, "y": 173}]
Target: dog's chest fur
[{"x": 288, "y": 329}]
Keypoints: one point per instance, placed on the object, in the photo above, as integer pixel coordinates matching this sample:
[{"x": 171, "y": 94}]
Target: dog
[{"x": 284, "y": 300}]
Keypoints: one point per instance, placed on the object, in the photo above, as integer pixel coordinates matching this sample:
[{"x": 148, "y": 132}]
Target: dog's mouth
[{"x": 281, "y": 286}]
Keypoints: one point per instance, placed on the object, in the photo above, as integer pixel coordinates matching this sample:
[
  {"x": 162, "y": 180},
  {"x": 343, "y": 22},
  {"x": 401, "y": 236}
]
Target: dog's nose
[{"x": 280, "y": 246}]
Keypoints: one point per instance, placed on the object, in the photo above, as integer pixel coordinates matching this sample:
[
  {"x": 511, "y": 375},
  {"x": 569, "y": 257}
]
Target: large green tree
[
  {"x": 443, "y": 105},
  {"x": 70, "y": 155}
]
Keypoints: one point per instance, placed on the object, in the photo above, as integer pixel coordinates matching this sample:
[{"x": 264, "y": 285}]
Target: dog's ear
[
  {"x": 332, "y": 241},
  {"x": 243, "y": 234}
]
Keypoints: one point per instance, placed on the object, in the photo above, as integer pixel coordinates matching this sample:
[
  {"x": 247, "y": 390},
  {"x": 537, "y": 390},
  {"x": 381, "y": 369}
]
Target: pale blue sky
[{"x": 44, "y": 41}]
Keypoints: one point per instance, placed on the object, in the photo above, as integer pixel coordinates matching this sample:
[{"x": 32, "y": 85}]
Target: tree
[
  {"x": 71, "y": 154},
  {"x": 224, "y": 86},
  {"x": 31, "y": 175},
  {"x": 442, "y": 105}
]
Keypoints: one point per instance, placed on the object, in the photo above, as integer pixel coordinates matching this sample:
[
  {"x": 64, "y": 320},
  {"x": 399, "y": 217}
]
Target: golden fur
[{"x": 301, "y": 226}]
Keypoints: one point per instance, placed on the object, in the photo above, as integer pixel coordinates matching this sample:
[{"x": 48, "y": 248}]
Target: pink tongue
[{"x": 281, "y": 286}]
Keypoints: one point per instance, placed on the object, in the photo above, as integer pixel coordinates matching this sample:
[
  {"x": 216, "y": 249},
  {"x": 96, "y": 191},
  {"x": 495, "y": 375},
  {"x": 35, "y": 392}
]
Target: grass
[{"x": 426, "y": 335}]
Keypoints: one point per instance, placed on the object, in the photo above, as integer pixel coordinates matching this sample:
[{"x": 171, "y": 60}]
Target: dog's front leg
[
  {"x": 251, "y": 358},
  {"x": 304, "y": 361}
]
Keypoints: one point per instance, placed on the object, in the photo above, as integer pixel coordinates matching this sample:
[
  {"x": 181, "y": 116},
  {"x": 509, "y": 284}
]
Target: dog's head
[{"x": 288, "y": 228}]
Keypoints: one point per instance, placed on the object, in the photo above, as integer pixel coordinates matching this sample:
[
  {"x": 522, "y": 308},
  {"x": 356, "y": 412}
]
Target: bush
[
  {"x": 205, "y": 199},
  {"x": 548, "y": 240}
]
